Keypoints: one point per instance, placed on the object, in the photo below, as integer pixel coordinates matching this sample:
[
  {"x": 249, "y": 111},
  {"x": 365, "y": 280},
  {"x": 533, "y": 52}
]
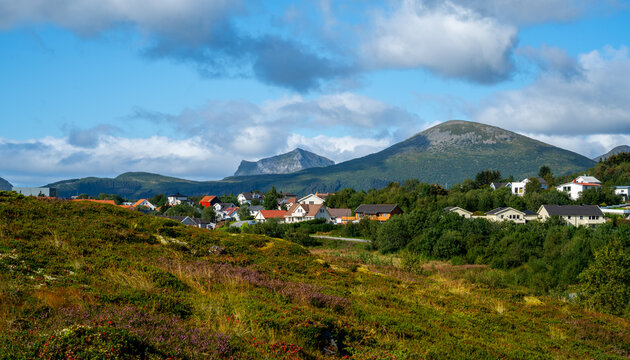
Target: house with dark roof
[
  {"x": 248, "y": 197},
  {"x": 177, "y": 199},
  {"x": 498, "y": 185},
  {"x": 337, "y": 215},
  {"x": 379, "y": 212},
  {"x": 576, "y": 215}
]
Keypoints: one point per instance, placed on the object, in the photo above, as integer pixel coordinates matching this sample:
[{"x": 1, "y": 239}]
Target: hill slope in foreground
[
  {"x": 84, "y": 280},
  {"x": 447, "y": 154}
]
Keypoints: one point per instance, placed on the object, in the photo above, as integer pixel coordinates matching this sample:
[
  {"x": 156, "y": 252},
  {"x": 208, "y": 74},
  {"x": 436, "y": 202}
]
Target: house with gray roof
[{"x": 576, "y": 215}]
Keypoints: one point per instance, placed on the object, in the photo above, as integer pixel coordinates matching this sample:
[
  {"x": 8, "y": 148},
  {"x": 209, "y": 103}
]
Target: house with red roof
[
  {"x": 574, "y": 189},
  {"x": 209, "y": 200},
  {"x": 264, "y": 215},
  {"x": 305, "y": 212}
]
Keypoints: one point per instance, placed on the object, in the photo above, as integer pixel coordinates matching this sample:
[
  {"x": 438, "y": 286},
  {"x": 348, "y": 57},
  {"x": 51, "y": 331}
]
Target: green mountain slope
[
  {"x": 290, "y": 162},
  {"x": 614, "y": 151},
  {"x": 5, "y": 185},
  {"x": 447, "y": 154},
  {"x": 93, "y": 281}
]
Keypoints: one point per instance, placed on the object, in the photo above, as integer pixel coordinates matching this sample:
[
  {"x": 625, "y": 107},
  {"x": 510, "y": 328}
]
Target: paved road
[{"x": 339, "y": 238}]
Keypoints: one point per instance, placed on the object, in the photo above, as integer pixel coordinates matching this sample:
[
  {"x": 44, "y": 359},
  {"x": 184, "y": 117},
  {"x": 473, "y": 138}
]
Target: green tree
[
  {"x": 243, "y": 213},
  {"x": 606, "y": 281},
  {"x": 544, "y": 171},
  {"x": 393, "y": 235},
  {"x": 208, "y": 214},
  {"x": 158, "y": 200},
  {"x": 271, "y": 199},
  {"x": 532, "y": 186},
  {"x": 486, "y": 177},
  {"x": 182, "y": 210}
]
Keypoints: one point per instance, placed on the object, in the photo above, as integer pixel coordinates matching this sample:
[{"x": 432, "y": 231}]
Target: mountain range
[
  {"x": 290, "y": 162},
  {"x": 446, "y": 154},
  {"x": 614, "y": 151}
]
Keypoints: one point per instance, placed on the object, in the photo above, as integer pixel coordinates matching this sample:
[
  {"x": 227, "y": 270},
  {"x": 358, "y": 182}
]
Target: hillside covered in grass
[{"x": 84, "y": 280}]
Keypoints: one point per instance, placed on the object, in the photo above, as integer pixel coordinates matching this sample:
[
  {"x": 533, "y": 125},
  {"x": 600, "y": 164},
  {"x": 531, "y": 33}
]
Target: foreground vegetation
[{"x": 85, "y": 280}]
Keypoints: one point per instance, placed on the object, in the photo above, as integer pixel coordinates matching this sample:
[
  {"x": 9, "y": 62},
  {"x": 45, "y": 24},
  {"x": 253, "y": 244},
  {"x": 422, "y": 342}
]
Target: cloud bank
[{"x": 217, "y": 137}]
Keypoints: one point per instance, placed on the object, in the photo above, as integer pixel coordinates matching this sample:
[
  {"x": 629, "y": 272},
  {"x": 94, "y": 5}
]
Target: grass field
[{"x": 84, "y": 280}]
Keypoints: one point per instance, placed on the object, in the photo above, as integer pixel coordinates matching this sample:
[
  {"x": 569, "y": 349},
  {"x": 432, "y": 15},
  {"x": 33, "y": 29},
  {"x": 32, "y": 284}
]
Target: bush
[
  {"x": 392, "y": 235},
  {"x": 606, "y": 281}
]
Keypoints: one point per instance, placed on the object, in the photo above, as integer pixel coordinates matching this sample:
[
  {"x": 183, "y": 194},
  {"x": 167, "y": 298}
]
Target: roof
[
  {"x": 452, "y": 208},
  {"x": 500, "y": 210},
  {"x": 137, "y": 203},
  {"x": 373, "y": 209},
  {"x": 230, "y": 211},
  {"x": 588, "y": 179},
  {"x": 272, "y": 213},
  {"x": 110, "y": 202},
  {"x": 207, "y": 199},
  {"x": 337, "y": 213},
  {"x": 177, "y": 195},
  {"x": 560, "y": 210},
  {"x": 623, "y": 187},
  {"x": 529, "y": 212},
  {"x": 497, "y": 185},
  {"x": 255, "y": 207},
  {"x": 309, "y": 195},
  {"x": 312, "y": 210},
  {"x": 247, "y": 195}
]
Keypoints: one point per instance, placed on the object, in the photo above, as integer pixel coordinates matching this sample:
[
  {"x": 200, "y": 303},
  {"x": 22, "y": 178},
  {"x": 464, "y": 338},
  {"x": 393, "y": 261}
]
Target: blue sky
[{"x": 190, "y": 88}]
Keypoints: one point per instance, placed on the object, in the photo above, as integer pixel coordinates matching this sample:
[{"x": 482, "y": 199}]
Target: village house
[
  {"x": 305, "y": 212},
  {"x": 511, "y": 214},
  {"x": 623, "y": 191},
  {"x": 143, "y": 202},
  {"x": 311, "y": 199},
  {"x": 576, "y": 215},
  {"x": 459, "y": 211},
  {"x": 254, "y": 209},
  {"x": 379, "y": 212},
  {"x": 518, "y": 187},
  {"x": 219, "y": 206},
  {"x": 209, "y": 200},
  {"x": 337, "y": 215},
  {"x": 248, "y": 197},
  {"x": 574, "y": 189},
  {"x": 177, "y": 199},
  {"x": 264, "y": 215},
  {"x": 192, "y": 221}
]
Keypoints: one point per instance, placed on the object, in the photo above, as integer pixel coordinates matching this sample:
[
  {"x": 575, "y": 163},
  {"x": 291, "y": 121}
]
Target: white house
[
  {"x": 518, "y": 188},
  {"x": 622, "y": 191},
  {"x": 305, "y": 212},
  {"x": 511, "y": 214},
  {"x": 177, "y": 199},
  {"x": 311, "y": 199},
  {"x": 247, "y": 197},
  {"x": 576, "y": 215},
  {"x": 459, "y": 211},
  {"x": 337, "y": 215},
  {"x": 574, "y": 189},
  {"x": 143, "y": 202}
]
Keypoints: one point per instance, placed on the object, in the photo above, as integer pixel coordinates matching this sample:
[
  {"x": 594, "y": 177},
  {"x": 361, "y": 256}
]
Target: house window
[
  {"x": 581, "y": 217},
  {"x": 569, "y": 217}
]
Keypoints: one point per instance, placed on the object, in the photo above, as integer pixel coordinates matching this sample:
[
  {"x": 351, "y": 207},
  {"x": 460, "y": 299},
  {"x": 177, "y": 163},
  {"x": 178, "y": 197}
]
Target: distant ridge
[
  {"x": 5, "y": 185},
  {"x": 616, "y": 150},
  {"x": 290, "y": 162},
  {"x": 446, "y": 154}
]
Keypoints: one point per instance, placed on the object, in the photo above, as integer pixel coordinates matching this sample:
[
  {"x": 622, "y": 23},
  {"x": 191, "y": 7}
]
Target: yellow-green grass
[{"x": 74, "y": 276}]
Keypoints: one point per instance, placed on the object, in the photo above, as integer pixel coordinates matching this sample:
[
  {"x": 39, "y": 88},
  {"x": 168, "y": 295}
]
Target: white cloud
[
  {"x": 339, "y": 148},
  {"x": 447, "y": 38},
  {"x": 594, "y": 102},
  {"x": 218, "y": 136},
  {"x": 186, "y": 20},
  {"x": 587, "y": 145}
]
